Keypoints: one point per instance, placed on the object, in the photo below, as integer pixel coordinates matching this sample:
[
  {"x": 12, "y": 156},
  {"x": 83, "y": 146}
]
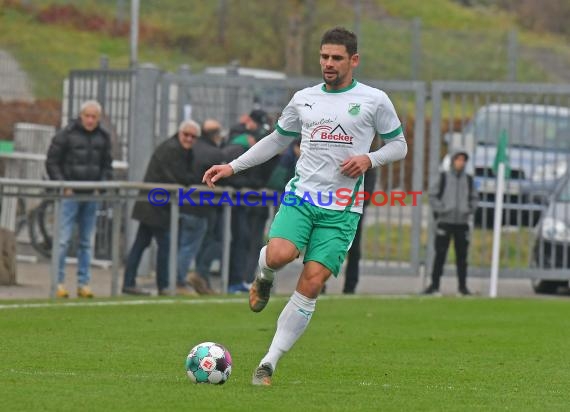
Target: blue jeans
[
  {"x": 144, "y": 236},
  {"x": 191, "y": 233},
  {"x": 211, "y": 246},
  {"x": 84, "y": 214}
]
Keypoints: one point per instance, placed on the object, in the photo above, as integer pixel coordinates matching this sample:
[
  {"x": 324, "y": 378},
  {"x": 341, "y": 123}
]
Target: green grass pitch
[{"x": 388, "y": 354}]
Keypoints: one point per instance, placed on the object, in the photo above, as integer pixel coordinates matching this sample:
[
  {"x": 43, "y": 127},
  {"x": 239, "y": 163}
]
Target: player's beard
[{"x": 334, "y": 82}]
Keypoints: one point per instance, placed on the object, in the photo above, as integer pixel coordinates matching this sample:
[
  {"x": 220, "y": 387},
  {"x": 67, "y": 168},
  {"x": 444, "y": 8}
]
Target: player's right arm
[{"x": 261, "y": 152}]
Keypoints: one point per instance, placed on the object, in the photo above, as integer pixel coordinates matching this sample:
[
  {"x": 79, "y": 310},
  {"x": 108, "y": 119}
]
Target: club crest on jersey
[{"x": 354, "y": 108}]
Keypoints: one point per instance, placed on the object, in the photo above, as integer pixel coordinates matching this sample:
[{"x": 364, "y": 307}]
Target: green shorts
[{"x": 326, "y": 234}]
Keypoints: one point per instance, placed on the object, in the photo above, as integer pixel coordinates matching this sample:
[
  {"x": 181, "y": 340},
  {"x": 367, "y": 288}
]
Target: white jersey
[{"x": 335, "y": 125}]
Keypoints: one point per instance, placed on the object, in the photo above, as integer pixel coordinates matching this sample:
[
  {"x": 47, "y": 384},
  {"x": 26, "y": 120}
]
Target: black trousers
[
  {"x": 444, "y": 233},
  {"x": 257, "y": 218},
  {"x": 353, "y": 259}
]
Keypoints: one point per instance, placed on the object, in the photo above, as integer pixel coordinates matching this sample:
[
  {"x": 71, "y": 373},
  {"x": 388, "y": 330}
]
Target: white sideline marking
[
  {"x": 120, "y": 303},
  {"x": 55, "y": 374},
  {"x": 182, "y": 301}
]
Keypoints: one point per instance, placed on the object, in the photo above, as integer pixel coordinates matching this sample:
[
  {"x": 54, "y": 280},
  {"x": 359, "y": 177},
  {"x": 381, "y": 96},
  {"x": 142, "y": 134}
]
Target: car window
[{"x": 529, "y": 130}]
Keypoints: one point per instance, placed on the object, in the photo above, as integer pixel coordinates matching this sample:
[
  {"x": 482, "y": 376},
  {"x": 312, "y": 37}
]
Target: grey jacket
[{"x": 457, "y": 202}]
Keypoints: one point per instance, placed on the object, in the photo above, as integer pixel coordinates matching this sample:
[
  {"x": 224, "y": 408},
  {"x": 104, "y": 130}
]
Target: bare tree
[
  {"x": 222, "y": 21},
  {"x": 295, "y": 34}
]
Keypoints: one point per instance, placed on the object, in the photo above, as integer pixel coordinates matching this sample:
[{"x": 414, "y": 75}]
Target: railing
[{"x": 116, "y": 192}]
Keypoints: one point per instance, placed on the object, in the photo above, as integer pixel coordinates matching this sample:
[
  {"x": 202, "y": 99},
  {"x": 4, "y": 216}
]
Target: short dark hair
[{"x": 343, "y": 37}]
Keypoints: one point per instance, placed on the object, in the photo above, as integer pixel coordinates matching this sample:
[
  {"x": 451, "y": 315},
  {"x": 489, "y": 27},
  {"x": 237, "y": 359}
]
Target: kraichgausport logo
[{"x": 326, "y": 134}]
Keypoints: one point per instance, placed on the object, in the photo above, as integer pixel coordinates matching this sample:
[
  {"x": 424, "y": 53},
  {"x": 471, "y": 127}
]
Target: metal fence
[
  {"x": 116, "y": 194},
  {"x": 535, "y": 118},
  {"x": 146, "y": 105},
  {"x": 227, "y": 97}
]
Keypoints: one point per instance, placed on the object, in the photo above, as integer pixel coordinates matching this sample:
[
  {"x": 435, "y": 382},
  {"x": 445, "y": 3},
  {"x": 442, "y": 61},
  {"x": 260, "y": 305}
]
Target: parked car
[
  {"x": 551, "y": 249},
  {"x": 539, "y": 155}
]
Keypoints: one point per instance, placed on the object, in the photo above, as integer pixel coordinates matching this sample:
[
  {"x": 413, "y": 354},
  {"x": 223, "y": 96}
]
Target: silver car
[{"x": 551, "y": 251}]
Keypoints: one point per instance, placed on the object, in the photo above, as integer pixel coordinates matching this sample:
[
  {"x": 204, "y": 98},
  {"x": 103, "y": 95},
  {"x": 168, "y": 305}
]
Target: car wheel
[{"x": 548, "y": 287}]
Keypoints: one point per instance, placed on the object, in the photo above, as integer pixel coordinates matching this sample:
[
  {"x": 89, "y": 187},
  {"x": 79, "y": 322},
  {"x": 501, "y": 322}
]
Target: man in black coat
[
  {"x": 211, "y": 149},
  {"x": 194, "y": 220},
  {"x": 170, "y": 163},
  {"x": 248, "y": 223},
  {"x": 79, "y": 152}
]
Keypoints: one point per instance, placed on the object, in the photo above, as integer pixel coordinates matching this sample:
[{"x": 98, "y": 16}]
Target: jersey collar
[{"x": 352, "y": 85}]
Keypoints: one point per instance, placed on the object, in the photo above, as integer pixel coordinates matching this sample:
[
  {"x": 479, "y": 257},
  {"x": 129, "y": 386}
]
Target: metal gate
[
  {"x": 535, "y": 119},
  {"x": 391, "y": 238}
]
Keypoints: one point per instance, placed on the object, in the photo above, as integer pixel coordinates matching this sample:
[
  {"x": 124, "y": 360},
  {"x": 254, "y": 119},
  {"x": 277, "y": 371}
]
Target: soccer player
[{"x": 337, "y": 122}]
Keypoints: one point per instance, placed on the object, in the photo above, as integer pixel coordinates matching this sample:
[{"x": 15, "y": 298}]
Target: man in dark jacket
[
  {"x": 248, "y": 223},
  {"x": 170, "y": 163},
  {"x": 79, "y": 152},
  {"x": 453, "y": 199},
  {"x": 211, "y": 147},
  {"x": 194, "y": 220}
]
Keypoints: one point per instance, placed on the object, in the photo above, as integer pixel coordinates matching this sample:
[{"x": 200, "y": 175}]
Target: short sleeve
[
  {"x": 289, "y": 124},
  {"x": 387, "y": 125}
]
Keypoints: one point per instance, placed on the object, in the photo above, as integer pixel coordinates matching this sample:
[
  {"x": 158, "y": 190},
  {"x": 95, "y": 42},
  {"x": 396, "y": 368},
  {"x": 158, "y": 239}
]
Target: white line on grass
[
  {"x": 120, "y": 303},
  {"x": 89, "y": 375},
  {"x": 180, "y": 301}
]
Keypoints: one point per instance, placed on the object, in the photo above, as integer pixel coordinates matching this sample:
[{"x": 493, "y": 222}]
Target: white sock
[
  {"x": 266, "y": 272},
  {"x": 290, "y": 326}
]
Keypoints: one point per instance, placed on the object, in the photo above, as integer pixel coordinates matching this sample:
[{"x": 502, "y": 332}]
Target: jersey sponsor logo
[
  {"x": 310, "y": 106},
  {"x": 324, "y": 120},
  {"x": 354, "y": 108},
  {"x": 326, "y": 134}
]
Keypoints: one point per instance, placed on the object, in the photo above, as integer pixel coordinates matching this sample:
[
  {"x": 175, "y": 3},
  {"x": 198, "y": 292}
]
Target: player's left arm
[{"x": 395, "y": 149}]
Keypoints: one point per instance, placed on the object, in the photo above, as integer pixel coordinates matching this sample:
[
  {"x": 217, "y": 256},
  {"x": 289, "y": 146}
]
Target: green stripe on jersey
[
  {"x": 285, "y": 132},
  {"x": 392, "y": 134},
  {"x": 354, "y": 192},
  {"x": 294, "y": 180}
]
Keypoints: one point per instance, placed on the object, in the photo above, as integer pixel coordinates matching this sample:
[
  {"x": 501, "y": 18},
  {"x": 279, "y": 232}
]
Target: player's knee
[
  {"x": 278, "y": 256},
  {"x": 311, "y": 287}
]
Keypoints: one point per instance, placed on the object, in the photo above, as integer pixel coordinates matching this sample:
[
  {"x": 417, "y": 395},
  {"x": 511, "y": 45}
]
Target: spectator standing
[
  {"x": 195, "y": 220},
  {"x": 453, "y": 200},
  {"x": 171, "y": 163},
  {"x": 79, "y": 152}
]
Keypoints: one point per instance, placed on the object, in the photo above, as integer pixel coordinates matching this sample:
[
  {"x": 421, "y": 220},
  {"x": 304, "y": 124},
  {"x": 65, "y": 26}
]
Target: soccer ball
[{"x": 209, "y": 362}]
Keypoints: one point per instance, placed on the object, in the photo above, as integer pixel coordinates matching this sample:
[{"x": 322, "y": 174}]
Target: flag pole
[{"x": 497, "y": 223}]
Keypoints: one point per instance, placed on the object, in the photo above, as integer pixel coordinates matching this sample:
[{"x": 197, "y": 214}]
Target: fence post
[
  {"x": 417, "y": 178},
  {"x": 173, "y": 250},
  {"x": 141, "y": 137},
  {"x": 115, "y": 245},
  {"x": 55, "y": 250},
  {"x": 184, "y": 108},
  {"x": 434, "y": 144},
  {"x": 102, "y": 80}
]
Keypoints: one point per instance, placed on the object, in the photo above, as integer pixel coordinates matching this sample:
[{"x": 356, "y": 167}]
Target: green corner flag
[{"x": 502, "y": 156}]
